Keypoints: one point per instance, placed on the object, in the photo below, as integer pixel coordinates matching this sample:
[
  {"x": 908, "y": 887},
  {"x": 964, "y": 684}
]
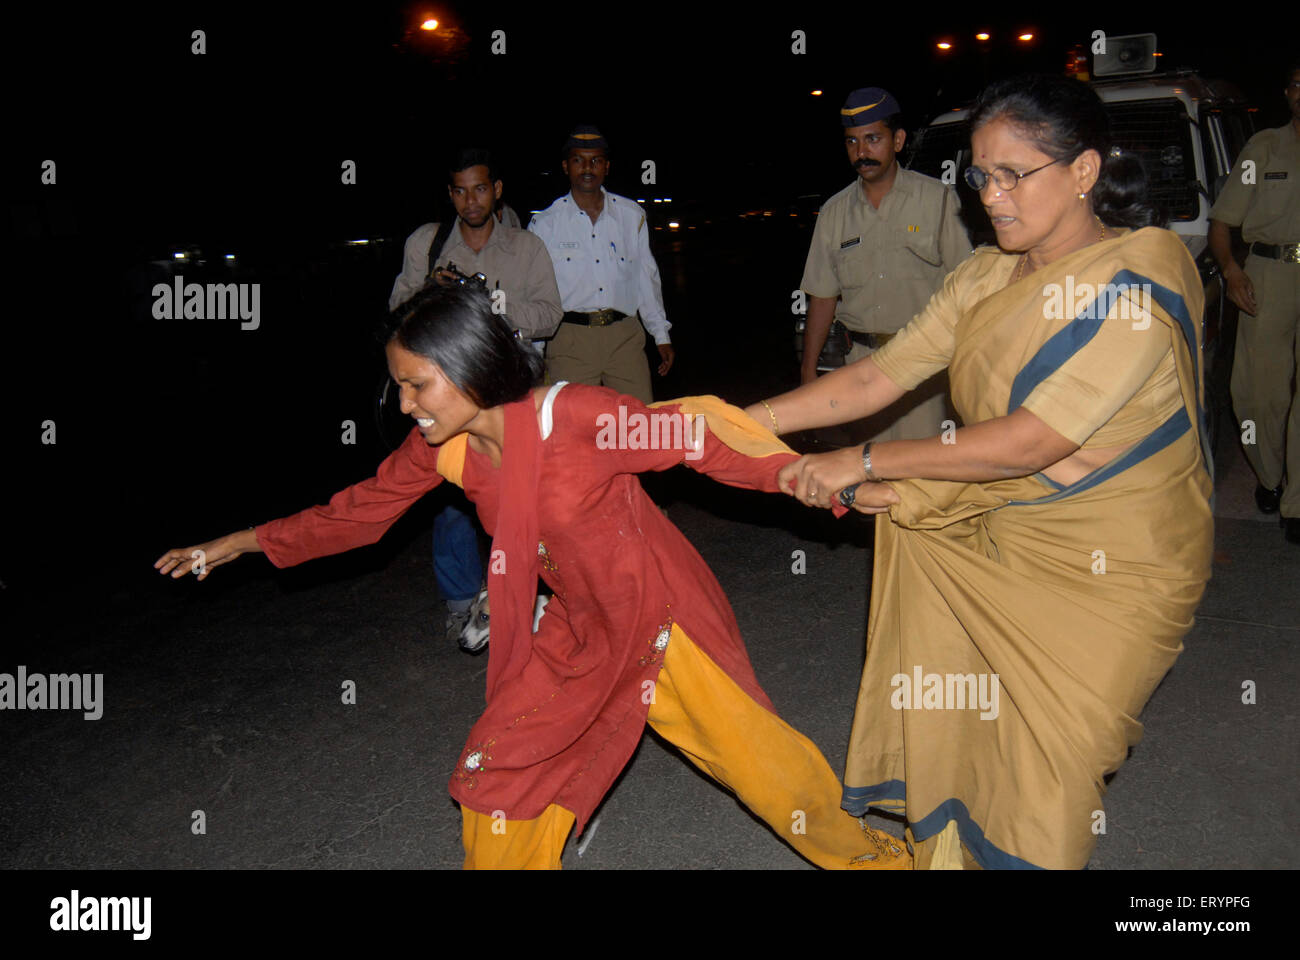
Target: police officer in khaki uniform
[
  {"x": 1262, "y": 196},
  {"x": 882, "y": 245}
]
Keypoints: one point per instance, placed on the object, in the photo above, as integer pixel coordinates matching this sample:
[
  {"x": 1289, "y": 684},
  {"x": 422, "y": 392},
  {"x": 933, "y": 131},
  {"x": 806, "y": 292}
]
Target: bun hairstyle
[
  {"x": 456, "y": 328},
  {"x": 1064, "y": 117}
]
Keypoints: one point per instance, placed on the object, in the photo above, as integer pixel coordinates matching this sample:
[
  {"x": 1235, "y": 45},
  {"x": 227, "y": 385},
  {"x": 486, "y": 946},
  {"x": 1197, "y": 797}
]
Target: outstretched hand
[{"x": 200, "y": 559}]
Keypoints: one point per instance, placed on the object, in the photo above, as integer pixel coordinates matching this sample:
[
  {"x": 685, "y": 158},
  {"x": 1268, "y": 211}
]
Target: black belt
[
  {"x": 873, "y": 340},
  {"x": 1289, "y": 252},
  {"x": 597, "y": 318}
]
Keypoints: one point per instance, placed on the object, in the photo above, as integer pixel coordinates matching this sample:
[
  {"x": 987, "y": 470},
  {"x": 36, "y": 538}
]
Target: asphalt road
[{"x": 225, "y": 697}]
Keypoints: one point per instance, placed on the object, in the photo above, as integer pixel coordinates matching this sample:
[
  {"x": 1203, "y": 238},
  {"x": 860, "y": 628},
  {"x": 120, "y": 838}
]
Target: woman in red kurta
[{"x": 638, "y": 630}]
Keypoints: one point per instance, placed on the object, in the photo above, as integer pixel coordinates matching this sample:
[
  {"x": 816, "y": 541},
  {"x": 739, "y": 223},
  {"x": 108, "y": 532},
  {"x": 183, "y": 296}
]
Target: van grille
[{"x": 1160, "y": 133}]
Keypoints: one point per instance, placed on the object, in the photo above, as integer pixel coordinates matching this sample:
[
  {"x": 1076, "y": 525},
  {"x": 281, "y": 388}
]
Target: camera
[{"x": 461, "y": 279}]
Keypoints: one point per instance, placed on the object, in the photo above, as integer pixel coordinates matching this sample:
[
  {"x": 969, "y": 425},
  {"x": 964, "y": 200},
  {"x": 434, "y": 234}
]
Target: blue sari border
[
  {"x": 856, "y": 800},
  {"x": 1155, "y": 441},
  {"x": 1067, "y": 341}
]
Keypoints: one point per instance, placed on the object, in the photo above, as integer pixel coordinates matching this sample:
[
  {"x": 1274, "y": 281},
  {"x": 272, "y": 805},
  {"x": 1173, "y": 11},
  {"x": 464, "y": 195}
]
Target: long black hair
[
  {"x": 456, "y": 328},
  {"x": 1064, "y": 117}
]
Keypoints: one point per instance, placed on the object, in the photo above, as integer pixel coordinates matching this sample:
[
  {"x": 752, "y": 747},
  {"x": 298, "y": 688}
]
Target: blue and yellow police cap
[
  {"x": 586, "y": 137},
  {"x": 867, "y": 105}
]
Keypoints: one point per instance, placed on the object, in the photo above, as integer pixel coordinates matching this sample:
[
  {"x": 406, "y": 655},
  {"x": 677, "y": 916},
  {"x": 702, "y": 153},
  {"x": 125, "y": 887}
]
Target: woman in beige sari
[{"x": 1036, "y": 569}]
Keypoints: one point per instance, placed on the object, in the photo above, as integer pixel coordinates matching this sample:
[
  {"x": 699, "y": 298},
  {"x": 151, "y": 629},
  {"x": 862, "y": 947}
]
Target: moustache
[{"x": 864, "y": 162}]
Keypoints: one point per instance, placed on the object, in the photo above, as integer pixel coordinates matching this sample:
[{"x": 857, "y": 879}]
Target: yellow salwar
[
  {"x": 777, "y": 772},
  {"x": 495, "y": 843},
  {"x": 1069, "y": 602}
]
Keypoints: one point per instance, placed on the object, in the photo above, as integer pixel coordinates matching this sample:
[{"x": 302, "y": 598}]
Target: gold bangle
[{"x": 776, "y": 427}]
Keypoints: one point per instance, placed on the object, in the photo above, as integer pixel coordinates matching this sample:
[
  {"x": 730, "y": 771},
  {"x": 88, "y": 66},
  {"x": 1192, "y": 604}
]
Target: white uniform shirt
[{"x": 606, "y": 264}]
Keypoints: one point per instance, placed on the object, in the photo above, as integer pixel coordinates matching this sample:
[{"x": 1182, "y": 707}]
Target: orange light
[
  {"x": 429, "y": 24},
  {"x": 1026, "y": 37},
  {"x": 944, "y": 46},
  {"x": 816, "y": 93},
  {"x": 981, "y": 36}
]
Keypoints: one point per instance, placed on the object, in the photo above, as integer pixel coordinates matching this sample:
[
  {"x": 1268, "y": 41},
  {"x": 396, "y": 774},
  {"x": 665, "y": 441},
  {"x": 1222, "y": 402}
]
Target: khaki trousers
[
  {"x": 1264, "y": 387},
  {"x": 612, "y": 356}
]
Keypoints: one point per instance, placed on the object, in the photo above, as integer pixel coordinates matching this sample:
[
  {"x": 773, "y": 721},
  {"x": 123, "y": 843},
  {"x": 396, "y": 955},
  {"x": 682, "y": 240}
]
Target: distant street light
[
  {"x": 1025, "y": 37},
  {"x": 816, "y": 93},
  {"x": 981, "y": 36},
  {"x": 944, "y": 45},
  {"x": 429, "y": 24}
]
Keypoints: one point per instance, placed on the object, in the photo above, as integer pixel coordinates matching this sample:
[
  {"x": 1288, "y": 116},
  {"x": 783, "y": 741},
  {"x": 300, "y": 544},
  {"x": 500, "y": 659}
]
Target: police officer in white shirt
[{"x": 599, "y": 243}]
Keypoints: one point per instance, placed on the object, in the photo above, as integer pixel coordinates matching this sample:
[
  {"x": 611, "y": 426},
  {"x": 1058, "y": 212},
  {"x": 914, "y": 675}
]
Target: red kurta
[{"x": 561, "y": 730}]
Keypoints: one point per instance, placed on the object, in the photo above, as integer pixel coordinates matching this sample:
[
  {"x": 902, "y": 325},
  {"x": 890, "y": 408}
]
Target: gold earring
[{"x": 1083, "y": 196}]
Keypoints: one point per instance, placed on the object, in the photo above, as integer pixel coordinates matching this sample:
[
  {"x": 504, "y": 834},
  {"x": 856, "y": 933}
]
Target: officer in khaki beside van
[
  {"x": 1262, "y": 196},
  {"x": 882, "y": 245}
]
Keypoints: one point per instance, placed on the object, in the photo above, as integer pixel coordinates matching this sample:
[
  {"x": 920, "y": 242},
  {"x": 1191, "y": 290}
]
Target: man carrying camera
[
  {"x": 515, "y": 268},
  {"x": 513, "y": 260}
]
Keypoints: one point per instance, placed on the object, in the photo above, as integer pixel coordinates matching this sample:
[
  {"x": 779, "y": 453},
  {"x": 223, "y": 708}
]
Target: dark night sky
[{"x": 249, "y": 137}]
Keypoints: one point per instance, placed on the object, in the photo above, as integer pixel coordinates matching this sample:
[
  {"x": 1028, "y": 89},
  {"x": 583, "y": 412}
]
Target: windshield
[{"x": 1158, "y": 131}]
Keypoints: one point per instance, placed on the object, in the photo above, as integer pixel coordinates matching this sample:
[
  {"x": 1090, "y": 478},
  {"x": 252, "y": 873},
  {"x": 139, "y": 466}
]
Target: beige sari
[{"x": 1018, "y": 627}]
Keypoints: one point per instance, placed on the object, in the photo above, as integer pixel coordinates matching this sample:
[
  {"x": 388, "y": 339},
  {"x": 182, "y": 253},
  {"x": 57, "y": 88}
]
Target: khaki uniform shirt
[
  {"x": 885, "y": 264},
  {"x": 514, "y": 261},
  {"x": 1268, "y": 210}
]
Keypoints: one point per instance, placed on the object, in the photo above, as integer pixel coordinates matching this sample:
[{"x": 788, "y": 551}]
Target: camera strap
[{"x": 440, "y": 240}]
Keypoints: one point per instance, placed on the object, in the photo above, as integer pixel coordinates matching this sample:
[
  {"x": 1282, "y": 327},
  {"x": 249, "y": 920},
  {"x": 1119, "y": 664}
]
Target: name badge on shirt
[
  {"x": 1276, "y": 175},
  {"x": 568, "y": 246},
  {"x": 850, "y": 243}
]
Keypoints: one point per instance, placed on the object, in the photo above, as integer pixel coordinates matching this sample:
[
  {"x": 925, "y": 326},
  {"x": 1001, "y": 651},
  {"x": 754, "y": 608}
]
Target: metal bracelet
[{"x": 866, "y": 463}]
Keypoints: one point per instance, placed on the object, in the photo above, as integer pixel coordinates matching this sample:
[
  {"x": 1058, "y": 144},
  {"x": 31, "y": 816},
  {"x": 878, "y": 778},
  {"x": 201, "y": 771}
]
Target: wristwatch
[{"x": 866, "y": 463}]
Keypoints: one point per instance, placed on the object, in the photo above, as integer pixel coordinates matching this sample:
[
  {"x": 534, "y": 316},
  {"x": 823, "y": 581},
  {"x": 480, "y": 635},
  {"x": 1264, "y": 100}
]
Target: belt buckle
[
  {"x": 602, "y": 318},
  {"x": 1290, "y": 252}
]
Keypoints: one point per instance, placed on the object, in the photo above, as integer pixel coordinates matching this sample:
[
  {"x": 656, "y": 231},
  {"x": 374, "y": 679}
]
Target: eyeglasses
[{"x": 1004, "y": 177}]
